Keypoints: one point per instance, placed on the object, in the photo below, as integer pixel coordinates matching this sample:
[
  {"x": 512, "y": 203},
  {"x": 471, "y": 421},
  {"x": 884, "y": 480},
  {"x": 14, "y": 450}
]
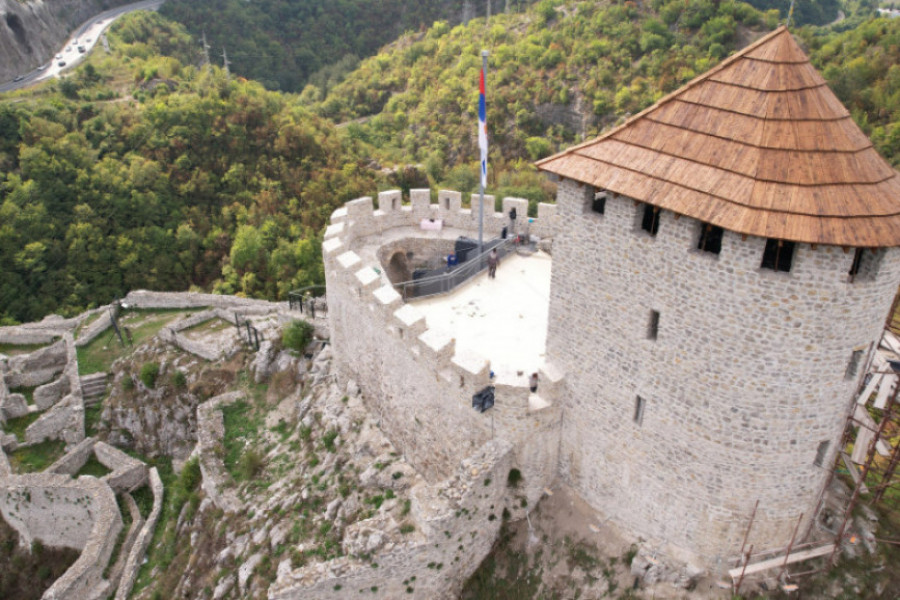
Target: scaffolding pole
[{"x": 870, "y": 459}]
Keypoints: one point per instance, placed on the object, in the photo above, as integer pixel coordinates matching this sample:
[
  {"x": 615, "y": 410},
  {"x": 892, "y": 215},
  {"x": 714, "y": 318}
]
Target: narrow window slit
[
  {"x": 821, "y": 451},
  {"x": 639, "y": 410},
  {"x": 653, "y": 325}
]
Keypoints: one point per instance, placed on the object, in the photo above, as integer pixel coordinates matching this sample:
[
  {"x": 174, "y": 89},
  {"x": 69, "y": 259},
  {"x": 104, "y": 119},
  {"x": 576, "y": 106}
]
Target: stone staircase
[{"x": 93, "y": 388}]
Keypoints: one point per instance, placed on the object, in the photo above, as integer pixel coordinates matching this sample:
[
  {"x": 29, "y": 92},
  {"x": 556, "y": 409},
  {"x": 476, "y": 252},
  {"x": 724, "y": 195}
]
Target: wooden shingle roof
[{"x": 758, "y": 145}]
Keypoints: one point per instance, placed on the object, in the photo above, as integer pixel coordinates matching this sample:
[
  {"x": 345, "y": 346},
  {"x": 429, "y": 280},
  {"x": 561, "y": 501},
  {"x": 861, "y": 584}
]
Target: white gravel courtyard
[{"x": 504, "y": 319}]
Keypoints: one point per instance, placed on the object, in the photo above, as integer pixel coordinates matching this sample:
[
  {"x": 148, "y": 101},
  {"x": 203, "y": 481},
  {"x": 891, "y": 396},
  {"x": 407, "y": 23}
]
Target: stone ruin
[{"x": 56, "y": 508}]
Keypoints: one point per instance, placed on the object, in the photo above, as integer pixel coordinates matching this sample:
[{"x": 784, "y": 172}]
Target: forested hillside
[
  {"x": 862, "y": 65},
  {"x": 202, "y": 181},
  {"x": 146, "y": 169},
  {"x": 557, "y": 74},
  {"x": 282, "y": 43}
]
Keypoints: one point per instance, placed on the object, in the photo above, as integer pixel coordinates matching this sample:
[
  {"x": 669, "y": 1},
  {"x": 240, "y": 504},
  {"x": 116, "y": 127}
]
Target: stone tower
[{"x": 726, "y": 262}]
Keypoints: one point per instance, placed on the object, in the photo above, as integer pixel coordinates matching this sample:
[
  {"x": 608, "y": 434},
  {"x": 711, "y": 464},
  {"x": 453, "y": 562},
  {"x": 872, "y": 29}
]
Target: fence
[
  {"x": 453, "y": 277},
  {"x": 304, "y": 299}
]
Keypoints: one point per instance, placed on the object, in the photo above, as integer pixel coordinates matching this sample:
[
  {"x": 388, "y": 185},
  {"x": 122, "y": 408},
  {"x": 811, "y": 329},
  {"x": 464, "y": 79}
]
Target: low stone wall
[
  {"x": 210, "y": 433},
  {"x": 29, "y": 370},
  {"x": 137, "y": 524},
  {"x": 128, "y": 473},
  {"x": 5, "y": 469},
  {"x": 196, "y": 348},
  {"x": 21, "y": 335},
  {"x": 74, "y": 459},
  {"x": 148, "y": 299},
  {"x": 49, "y": 394},
  {"x": 92, "y": 331},
  {"x": 139, "y": 548},
  {"x": 13, "y": 406},
  {"x": 80, "y": 514},
  {"x": 65, "y": 419},
  {"x": 456, "y": 525}
]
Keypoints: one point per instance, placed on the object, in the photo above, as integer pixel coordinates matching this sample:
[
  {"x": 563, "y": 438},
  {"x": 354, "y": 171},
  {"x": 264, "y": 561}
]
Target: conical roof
[{"x": 758, "y": 145}]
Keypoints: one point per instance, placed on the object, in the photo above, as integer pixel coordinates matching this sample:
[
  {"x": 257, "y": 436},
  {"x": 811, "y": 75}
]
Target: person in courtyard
[
  {"x": 493, "y": 261},
  {"x": 533, "y": 382}
]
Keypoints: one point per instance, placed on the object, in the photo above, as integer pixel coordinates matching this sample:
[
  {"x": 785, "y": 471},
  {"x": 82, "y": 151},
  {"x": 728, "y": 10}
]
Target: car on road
[
  {"x": 61, "y": 63},
  {"x": 81, "y": 49},
  {"x": 19, "y": 78},
  {"x": 42, "y": 67},
  {"x": 59, "y": 57}
]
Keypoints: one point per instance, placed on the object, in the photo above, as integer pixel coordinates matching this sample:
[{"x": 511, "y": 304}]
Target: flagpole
[{"x": 484, "y": 57}]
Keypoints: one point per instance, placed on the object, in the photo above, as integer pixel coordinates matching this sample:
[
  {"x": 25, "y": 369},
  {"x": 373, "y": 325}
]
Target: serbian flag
[{"x": 482, "y": 133}]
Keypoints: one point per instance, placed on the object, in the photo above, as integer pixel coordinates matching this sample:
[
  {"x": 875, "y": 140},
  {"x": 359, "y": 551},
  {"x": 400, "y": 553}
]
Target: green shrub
[
  {"x": 297, "y": 335},
  {"x": 149, "y": 373},
  {"x": 127, "y": 382},
  {"x": 179, "y": 379},
  {"x": 515, "y": 476},
  {"x": 250, "y": 464},
  {"x": 328, "y": 440}
]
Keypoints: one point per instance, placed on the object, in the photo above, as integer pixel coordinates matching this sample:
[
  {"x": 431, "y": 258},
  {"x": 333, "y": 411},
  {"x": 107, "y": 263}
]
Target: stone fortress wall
[
  {"x": 54, "y": 370},
  {"x": 412, "y": 376},
  {"x": 746, "y": 381},
  {"x": 59, "y": 511},
  {"x": 458, "y": 520}
]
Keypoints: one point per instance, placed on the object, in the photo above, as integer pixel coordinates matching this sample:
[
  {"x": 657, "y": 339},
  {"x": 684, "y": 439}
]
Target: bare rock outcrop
[{"x": 32, "y": 31}]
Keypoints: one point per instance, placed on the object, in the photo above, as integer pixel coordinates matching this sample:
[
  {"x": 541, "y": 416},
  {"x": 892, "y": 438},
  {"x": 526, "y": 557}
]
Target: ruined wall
[
  {"x": 413, "y": 378},
  {"x": 136, "y": 555},
  {"x": 457, "y": 522},
  {"x": 746, "y": 377},
  {"x": 210, "y": 433},
  {"x": 59, "y": 511},
  {"x": 35, "y": 368}
]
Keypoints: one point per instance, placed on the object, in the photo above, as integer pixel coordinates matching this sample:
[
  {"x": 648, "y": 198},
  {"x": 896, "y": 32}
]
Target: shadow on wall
[{"x": 398, "y": 267}]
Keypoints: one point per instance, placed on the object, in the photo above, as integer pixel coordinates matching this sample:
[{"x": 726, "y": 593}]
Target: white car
[{"x": 59, "y": 57}]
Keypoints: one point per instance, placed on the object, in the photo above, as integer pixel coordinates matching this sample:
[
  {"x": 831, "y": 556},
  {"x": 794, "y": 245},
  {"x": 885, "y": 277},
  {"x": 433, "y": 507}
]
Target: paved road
[{"x": 85, "y": 36}]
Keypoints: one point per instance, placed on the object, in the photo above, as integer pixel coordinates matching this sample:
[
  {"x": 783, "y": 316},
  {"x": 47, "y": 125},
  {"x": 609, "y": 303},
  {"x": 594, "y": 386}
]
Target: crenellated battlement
[
  {"x": 359, "y": 218},
  {"x": 409, "y": 369}
]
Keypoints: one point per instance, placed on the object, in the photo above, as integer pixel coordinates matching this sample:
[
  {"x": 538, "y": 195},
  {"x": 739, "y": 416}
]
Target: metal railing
[
  {"x": 305, "y": 299},
  {"x": 448, "y": 281}
]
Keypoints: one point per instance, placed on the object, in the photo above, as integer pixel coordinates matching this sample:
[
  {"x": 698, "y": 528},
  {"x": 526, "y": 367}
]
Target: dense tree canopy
[
  {"x": 199, "y": 180},
  {"x": 283, "y": 43},
  {"x": 557, "y": 74},
  {"x": 147, "y": 169}
]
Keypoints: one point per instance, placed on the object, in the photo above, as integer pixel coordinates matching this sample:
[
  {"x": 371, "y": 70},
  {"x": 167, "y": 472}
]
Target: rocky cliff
[{"x": 32, "y": 31}]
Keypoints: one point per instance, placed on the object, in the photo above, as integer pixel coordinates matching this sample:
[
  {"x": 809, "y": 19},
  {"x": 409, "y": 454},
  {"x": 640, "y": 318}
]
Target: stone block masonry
[
  {"x": 412, "y": 377},
  {"x": 59, "y": 511},
  {"x": 139, "y": 548},
  {"x": 697, "y": 383}
]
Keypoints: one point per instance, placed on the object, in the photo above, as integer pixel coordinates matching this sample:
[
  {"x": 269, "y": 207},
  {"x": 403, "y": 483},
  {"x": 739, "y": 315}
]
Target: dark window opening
[
  {"x": 778, "y": 255},
  {"x": 710, "y": 238},
  {"x": 639, "y": 410},
  {"x": 853, "y": 365},
  {"x": 598, "y": 205},
  {"x": 650, "y": 222},
  {"x": 865, "y": 264},
  {"x": 857, "y": 261},
  {"x": 653, "y": 327},
  {"x": 821, "y": 451}
]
